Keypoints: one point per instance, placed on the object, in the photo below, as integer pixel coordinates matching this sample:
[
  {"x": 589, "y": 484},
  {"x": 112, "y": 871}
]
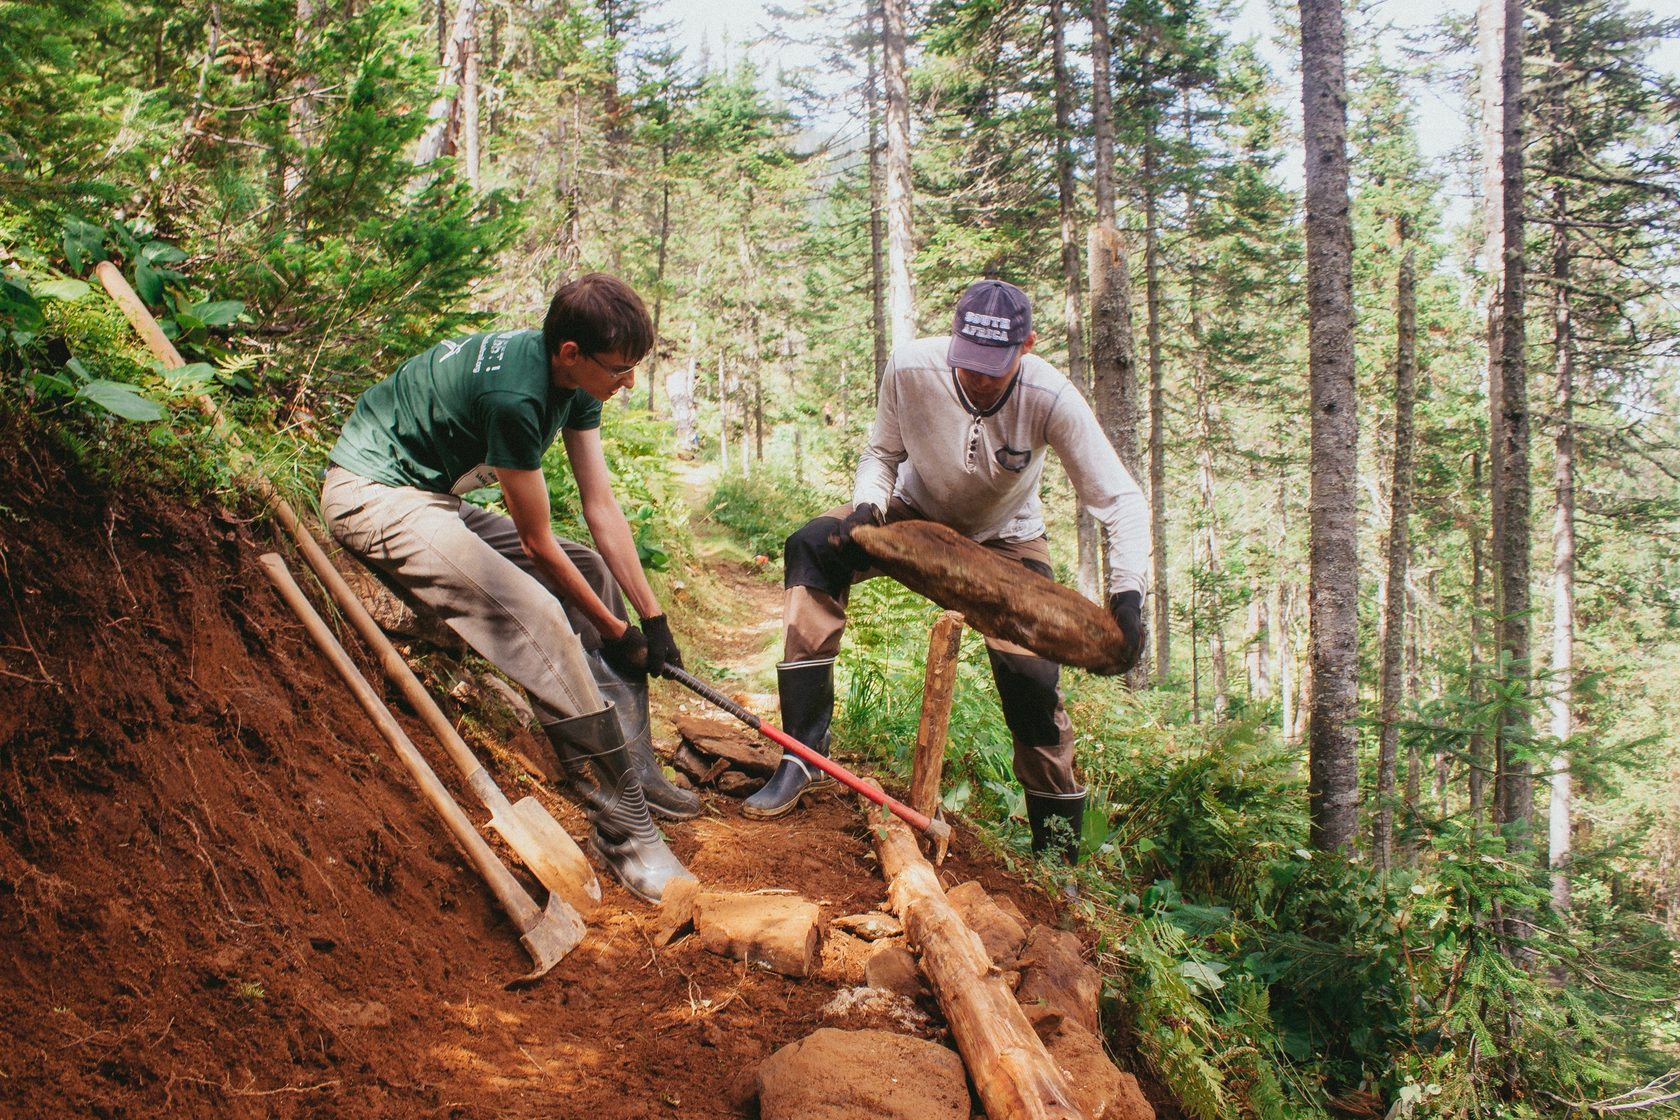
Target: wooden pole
[
  {"x": 1013, "y": 1073},
  {"x": 937, "y": 685},
  {"x": 547, "y": 934}
]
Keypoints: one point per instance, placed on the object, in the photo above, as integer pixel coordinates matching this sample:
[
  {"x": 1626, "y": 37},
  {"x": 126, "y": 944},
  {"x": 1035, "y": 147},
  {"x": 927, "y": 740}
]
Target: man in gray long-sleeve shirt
[{"x": 960, "y": 436}]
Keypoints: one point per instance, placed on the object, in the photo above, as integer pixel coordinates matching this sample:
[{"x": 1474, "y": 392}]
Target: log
[
  {"x": 938, "y": 682},
  {"x": 997, "y": 597},
  {"x": 1012, "y": 1071}
]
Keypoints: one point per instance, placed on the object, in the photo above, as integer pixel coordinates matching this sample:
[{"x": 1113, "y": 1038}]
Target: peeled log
[
  {"x": 1012, "y": 1070},
  {"x": 998, "y": 597}
]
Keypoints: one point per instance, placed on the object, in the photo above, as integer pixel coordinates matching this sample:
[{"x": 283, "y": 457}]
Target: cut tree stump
[
  {"x": 777, "y": 932},
  {"x": 1013, "y": 1073}
]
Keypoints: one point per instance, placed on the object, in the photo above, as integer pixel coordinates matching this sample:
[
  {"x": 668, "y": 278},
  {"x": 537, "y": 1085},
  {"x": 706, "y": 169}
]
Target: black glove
[
  {"x": 661, "y": 646},
  {"x": 1127, "y": 609},
  {"x": 627, "y": 653},
  {"x": 850, "y": 552}
]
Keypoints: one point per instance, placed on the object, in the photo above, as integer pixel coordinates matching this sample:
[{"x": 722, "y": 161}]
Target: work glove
[
  {"x": 661, "y": 646},
  {"x": 851, "y": 553},
  {"x": 627, "y": 653},
  {"x": 1126, "y": 607}
]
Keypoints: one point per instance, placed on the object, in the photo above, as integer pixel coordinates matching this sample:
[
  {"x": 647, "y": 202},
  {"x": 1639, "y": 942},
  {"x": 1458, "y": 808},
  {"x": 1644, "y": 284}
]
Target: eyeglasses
[{"x": 616, "y": 371}]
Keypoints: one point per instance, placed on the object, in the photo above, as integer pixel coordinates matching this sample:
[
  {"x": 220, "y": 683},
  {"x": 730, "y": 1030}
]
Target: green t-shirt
[{"x": 450, "y": 414}]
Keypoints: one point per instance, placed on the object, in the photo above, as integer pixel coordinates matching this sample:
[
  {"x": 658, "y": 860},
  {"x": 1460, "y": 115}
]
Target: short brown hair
[{"x": 599, "y": 313}]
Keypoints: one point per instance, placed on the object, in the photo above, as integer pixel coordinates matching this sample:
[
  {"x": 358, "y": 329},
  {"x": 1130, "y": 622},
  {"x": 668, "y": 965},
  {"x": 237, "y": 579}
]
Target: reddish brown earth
[{"x": 219, "y": 894}]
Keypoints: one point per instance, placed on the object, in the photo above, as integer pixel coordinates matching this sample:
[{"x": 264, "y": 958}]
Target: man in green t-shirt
[{"x": 549, "y": 612}]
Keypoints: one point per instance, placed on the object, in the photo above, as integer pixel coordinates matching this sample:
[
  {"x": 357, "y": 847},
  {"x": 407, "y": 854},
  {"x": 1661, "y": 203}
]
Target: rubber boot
[
  {"x": 1056, "y": 818},
  {"x": 624, "y": 837},
  {"x": 630, "y": 698},
  {"x": 807, "y": 694}
]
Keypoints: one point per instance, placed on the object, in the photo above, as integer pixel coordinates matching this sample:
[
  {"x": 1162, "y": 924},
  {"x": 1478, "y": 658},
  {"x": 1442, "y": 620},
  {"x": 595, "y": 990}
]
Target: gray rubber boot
[
  {"x": 807, "y": 694},
  {"x": 624, "y": 837},
  {"x": 630, "y": 698},
  {"x": 1056, "y": 818}
]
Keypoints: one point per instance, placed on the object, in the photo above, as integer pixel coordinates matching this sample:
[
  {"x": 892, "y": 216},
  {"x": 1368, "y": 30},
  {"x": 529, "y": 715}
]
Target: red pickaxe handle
[{"x": 937, "y": 831}]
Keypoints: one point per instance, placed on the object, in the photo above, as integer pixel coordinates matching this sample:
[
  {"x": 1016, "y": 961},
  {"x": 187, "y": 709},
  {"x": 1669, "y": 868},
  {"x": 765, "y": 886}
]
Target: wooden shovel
[
  {"x": 529, "y": 829},
  {"x": 547, "y": 934}
]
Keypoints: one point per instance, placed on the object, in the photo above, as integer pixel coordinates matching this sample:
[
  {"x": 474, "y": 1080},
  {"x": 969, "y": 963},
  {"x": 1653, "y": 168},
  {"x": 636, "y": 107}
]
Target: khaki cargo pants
[{"x": 466, "y": 566}]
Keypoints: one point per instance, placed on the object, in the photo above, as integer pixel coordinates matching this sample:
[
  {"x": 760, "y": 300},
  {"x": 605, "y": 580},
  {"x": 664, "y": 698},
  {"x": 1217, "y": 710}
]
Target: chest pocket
[{"x": 1012, "y": 460}]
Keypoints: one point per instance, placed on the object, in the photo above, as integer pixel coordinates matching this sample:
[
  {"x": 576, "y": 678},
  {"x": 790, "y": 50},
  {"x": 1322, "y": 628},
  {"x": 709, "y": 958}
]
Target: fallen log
[
  {"x": 1012, "y": 1071},
  {"x": 997, "y": 597}
]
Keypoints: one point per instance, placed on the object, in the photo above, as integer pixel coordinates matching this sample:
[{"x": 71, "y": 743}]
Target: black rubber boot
[
  {"x": 630, "y": 698},
  {"x": 1056, "y": 818},
  {"x": 624, "y": 837},
  {"x": 807, "y": 693}
]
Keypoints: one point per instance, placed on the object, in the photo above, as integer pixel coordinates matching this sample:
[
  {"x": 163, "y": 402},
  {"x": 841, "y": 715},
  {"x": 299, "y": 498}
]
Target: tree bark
[
  {"x": 1073, "y": 317},
  {"x": 1390, "y": 683},
  {"x": 1516, "y": 790},
  {"x": 901, "y": 247},
  {"x": 469, "y": 109},
  {"x": 877, "y": 188},
  {"x": 1157, "y": 407},
  {"x": 1333, "y": 620},
  {"x": 1561, "y": 699},
  {"x": 444, "y": 115}
]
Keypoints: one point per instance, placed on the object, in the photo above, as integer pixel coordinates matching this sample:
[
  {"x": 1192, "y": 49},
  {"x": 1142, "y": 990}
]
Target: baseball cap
[{"x": 992, "y": 323}]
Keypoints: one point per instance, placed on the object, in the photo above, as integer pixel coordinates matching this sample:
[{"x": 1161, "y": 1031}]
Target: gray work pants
[{"x": 465, "y": 564}]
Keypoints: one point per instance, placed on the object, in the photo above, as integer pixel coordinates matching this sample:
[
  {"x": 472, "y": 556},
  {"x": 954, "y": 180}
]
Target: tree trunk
[
  {"x": 901, "y": 247},
  {"x": 1476, "y": 779},
  {"x": 469, "y": 110},
  {"x": 1390, "y": 681},
  {"x": 1334, "y": 594},
  {"x": 301, "y": 118},
  {"x": 1561, "y": 700},
  {"x": 1516, "y": 791},
  {"x": 444, "y": 115},
  {"x": 877, "y": 188},
  {"x": 1157, "y": 407},
  {"x": 1073, "y": 316}
]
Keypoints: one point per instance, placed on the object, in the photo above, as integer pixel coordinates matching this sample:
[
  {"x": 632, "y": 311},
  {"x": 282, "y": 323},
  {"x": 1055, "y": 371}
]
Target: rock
[
  {"x": 865, "y": 1008},
  {"x": 862, "y": 1075},
  {"x": 1054, "y": 975},
  {"x": 1002, "y": 935},
  {"x": 777, "y": 932},
  {"x": 892, "y": 967},
  {"x": 872, "y": 926},
  {"x": 716, "y": 739},
  {"x": 676, "y": 910},
  {"x": 1100, "y": 1088},
  {"x": 843, "y": 957},
  {"x": 697, "y": 766},
  {"x": 736, "y": 784}
]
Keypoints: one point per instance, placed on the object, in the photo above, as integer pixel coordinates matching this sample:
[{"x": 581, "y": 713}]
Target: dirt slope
[{"x": 219, "y": 896}]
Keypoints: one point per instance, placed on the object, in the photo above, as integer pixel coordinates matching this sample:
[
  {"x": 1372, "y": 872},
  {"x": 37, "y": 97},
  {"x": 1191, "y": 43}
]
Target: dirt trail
[{"x": 220, "y": 896}]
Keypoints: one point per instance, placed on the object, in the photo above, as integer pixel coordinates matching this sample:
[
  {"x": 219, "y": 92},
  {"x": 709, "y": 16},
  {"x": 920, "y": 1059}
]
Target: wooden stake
[
  {"x": 937, "y": 685},
  {"x": 1012, "y": 1071}
]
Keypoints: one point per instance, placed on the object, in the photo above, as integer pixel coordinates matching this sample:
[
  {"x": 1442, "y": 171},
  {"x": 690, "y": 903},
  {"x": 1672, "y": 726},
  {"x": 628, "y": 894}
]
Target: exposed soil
[{"x": 220, "y": 895}]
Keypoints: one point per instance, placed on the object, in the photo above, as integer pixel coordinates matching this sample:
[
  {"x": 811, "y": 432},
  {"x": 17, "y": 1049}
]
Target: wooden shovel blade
[{"x": 550, "y": 852}]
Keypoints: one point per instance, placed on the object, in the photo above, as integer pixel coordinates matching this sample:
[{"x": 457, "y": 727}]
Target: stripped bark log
[
  {"x": 1013, "y": 1073},
  {"x": 937, "y": 684}
]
